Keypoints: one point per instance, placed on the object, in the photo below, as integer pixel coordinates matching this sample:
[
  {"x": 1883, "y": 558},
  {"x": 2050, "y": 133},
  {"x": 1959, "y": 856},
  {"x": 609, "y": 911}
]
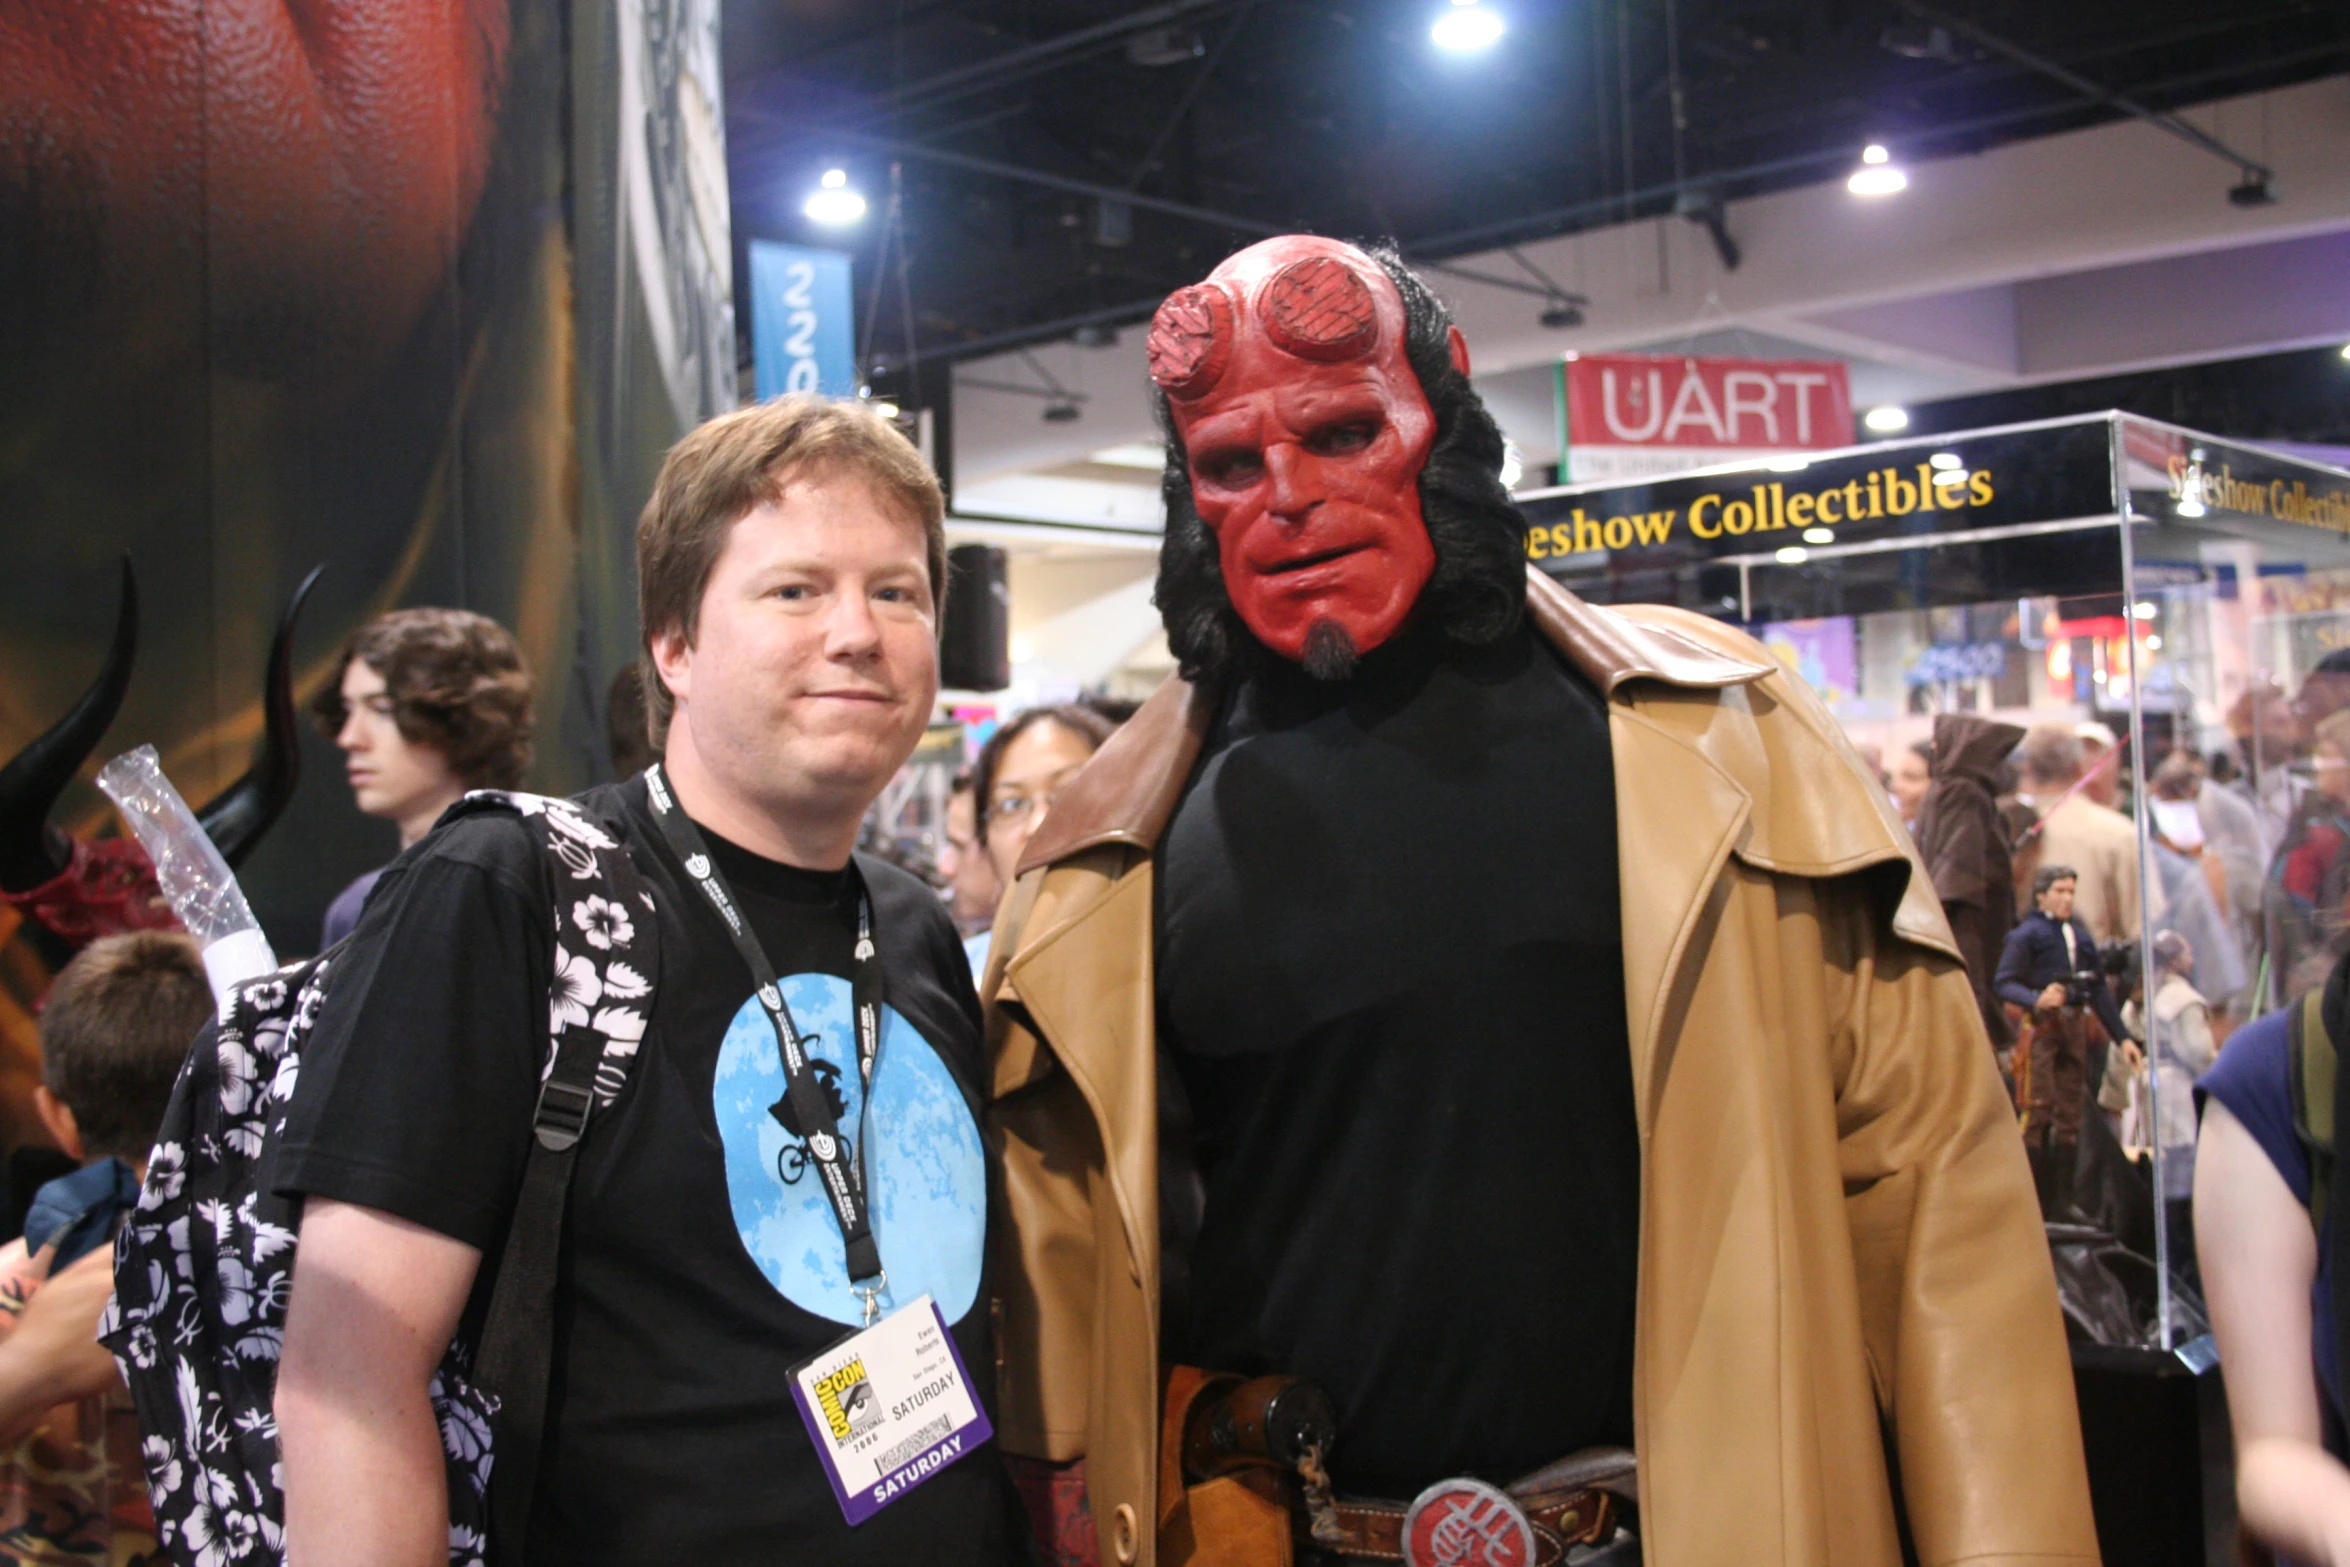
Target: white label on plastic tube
[{"x": 235, "y": 958}]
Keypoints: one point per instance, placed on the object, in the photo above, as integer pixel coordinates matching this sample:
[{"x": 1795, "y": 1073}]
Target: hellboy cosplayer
[{"x": 1455, "y": 1037}]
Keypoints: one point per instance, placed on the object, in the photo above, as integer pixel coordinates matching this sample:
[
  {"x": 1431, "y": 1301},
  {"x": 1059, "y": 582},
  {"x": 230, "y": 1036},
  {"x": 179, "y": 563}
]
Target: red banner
[{"x": 1634, "y": 414}]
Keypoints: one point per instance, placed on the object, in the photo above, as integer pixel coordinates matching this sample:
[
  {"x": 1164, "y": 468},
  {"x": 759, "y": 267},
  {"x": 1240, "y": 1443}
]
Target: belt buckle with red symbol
[{"x": 1466, "y": 1523}]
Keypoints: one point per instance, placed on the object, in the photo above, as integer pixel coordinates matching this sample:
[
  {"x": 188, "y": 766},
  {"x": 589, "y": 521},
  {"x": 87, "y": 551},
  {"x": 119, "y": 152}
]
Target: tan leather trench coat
[{"x": 1842, "y": 1274}]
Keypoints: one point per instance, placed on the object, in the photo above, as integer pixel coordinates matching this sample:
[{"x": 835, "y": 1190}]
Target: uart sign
[{"x": 1634, "y": 415}]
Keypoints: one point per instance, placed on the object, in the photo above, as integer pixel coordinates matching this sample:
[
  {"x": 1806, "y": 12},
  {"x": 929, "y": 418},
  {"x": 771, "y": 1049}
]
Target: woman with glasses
[{"x": 1021, "y": 768}]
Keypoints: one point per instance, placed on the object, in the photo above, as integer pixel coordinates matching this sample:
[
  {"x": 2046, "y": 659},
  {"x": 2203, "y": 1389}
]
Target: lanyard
[{"x": 844, "y": 1174}]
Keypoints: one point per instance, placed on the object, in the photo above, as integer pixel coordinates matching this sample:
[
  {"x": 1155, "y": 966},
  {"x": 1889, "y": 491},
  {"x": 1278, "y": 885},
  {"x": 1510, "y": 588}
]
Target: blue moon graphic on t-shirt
[{"x": 928, "y": 1180}]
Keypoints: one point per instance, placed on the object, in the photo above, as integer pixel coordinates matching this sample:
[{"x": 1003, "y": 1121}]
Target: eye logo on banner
[{"x": 803, "y": 336}]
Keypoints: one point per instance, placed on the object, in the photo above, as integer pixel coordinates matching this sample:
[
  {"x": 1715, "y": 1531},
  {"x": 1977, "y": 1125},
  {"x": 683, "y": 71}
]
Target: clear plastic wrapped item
[{"x": 195, "y": 880}]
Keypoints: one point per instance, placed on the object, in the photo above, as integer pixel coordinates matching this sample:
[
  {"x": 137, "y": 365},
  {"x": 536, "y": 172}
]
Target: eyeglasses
[{"x": 1020, "y": 807}]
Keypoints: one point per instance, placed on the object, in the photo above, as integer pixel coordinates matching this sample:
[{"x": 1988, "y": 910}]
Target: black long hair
[{"x": 1477, "y": 593}]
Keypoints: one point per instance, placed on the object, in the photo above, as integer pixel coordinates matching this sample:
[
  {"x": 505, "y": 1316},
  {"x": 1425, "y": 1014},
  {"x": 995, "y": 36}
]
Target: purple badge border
[{"x": 856, "y": 1509}]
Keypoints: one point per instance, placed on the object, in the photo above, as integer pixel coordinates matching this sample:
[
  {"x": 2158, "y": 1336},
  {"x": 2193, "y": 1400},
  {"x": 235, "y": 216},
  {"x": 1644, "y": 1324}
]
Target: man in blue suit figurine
[{"x": 2050, "y": 969}]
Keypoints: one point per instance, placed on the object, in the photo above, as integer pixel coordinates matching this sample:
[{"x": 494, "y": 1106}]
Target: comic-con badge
[
  {"x": 889, "y": 1407},
  {"x": 1466, "y": 1523}
]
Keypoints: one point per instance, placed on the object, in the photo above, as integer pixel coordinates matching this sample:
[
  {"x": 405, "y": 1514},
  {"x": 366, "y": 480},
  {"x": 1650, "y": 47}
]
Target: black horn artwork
[
  {"x": 243, "y": 811},
  {"x": 77, "y": 890}
]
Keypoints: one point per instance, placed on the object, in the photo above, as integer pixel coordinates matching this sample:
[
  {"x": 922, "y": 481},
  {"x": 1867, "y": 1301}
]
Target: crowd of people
[{"x": 2221, "y": 1057}]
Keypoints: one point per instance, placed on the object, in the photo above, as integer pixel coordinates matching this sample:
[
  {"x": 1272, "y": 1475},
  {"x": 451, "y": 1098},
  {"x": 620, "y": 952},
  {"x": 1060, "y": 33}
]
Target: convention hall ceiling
[{"x": 1062, "y": 164}]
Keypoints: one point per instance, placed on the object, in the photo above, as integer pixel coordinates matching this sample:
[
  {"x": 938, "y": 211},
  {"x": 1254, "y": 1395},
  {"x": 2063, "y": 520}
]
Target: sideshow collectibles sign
[
  {"x": 2023, "y": 509},
  {"x": 1631, "y": 416}
]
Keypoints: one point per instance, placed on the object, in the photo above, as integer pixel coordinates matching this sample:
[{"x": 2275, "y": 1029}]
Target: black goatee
[{"x": 1329, "y": 652}]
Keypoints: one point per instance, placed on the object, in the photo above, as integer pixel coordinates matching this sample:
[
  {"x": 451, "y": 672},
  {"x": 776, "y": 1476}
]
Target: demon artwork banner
[{"x": 1482, "y": 1077}]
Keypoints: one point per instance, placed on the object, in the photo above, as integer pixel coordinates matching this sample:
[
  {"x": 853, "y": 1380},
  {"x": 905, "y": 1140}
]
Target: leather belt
[{"x": 1467, "y": 1523}]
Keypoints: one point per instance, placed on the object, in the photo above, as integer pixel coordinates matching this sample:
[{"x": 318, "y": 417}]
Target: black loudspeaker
[{"x": 975, "y": 654}]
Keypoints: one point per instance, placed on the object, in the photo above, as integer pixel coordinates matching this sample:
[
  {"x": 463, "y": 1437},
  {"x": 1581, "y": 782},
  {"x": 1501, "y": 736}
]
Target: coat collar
[{"x": 1129, "y": 790}]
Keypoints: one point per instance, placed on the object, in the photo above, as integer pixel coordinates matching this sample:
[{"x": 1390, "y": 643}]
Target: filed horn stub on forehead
[
  {"x": 1320, "y": 309},
  {"x": 1191, "y": 339}
]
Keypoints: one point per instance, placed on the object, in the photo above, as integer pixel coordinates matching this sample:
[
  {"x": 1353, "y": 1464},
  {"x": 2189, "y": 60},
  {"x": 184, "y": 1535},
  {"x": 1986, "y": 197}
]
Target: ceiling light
[
  {"x": 2190, "y": 505},
  {"x": 1561, "y": 315},
  {"x": 1887, "y": 419},
  {"x": 2153, "y": 643},
  {"x": 1788, "y": 464},
  {"x": 1793, "y": 555},
  {"x": 2144, "y": 609},
  {"x": 886, "y": 410},
  {"x": 1876, "y": 175},
  {"x": 832, "y": 201},
  {"x": 1819, "y": 535},
  {"x": 1466, "y": 27},
  {"x": 2346, "y": 350},
  {"x": 1947, "y": 460},
  {"x": 1061, "y": 411}
]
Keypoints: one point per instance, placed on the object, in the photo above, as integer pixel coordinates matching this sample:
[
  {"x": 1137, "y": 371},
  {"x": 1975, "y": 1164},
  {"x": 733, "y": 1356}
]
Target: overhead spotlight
[
  {"x": 1819, "y": 535},
  {"x": 2346, "y": 350},
  {"x": 1561, "y": 314},
  {"x": 2255, "y": 191},
  {"x": 886, "y": 410},
  {"x": 1467, "y": 27},
  {"x": 1061, "y": 411},
  {"x": 1788, "y": 464},
  {"x": 1791, "y": 555},
  {"x": 1887, "y": 419},
  {"x": 832, "y": 202},
  {"x": 1877, "y": 175},
  {"x": 1947, "y": 460}
]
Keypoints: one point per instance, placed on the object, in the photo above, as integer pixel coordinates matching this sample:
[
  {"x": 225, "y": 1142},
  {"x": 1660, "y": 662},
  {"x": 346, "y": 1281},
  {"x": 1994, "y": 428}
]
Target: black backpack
[{"x": 202, "y": 1268}]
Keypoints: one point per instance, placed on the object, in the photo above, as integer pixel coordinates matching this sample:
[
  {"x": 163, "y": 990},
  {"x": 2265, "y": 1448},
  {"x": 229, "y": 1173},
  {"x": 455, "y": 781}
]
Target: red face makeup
[{"x": 1305, "y": 431}]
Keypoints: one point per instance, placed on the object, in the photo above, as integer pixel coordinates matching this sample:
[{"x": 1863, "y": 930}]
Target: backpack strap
[
  {"x": 2310, "y": 1076},
  {"x": 589, "y": 1065}
]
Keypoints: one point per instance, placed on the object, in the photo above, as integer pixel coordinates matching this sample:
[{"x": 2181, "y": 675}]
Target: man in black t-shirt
[{"x": 789, "y": 561}]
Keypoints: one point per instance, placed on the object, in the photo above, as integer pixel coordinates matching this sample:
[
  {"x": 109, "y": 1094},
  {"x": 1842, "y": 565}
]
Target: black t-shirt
[
  {"x": 702, "y": 1261},
  {"x": 1391, "y": 974}
]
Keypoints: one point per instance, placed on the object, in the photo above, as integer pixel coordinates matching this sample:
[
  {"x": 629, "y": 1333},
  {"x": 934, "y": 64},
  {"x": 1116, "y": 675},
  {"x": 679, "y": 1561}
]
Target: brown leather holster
[
  {"x": 1237, "y": 1519},
  {"x": 1251, "y": 1511}
]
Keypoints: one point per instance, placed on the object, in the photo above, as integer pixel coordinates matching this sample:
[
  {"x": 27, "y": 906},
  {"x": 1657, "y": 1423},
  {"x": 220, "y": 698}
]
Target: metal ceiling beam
[
  {"x": 1529, "y": 225},
  {"x": 1047, "y": 54},
  {"x": 2253, "y": 170},
  {"x": 919, "y": 153}
]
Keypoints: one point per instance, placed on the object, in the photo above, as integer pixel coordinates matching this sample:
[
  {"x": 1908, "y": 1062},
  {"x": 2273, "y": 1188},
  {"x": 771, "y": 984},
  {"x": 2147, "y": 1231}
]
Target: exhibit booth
[{"x": 2185, "y": 593}]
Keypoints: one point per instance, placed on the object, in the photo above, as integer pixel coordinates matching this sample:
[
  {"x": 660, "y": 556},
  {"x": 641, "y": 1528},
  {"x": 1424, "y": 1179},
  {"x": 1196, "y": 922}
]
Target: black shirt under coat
[{"x": 1391, "y": 987}]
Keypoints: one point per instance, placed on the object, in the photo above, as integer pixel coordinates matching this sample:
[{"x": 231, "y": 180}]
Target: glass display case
[{"x": 2165, "y": 618}]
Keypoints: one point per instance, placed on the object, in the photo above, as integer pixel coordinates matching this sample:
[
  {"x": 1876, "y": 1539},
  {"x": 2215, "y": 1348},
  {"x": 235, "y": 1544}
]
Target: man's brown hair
[
  {"x": 117, "y": 1025},
  {"x": 740, "y": 461},
  {"x": 458, "y": 684}
]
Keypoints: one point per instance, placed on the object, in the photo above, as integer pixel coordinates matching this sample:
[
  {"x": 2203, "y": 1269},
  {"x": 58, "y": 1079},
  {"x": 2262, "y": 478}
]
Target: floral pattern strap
[{"x": 203, "y": 1267}]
